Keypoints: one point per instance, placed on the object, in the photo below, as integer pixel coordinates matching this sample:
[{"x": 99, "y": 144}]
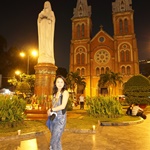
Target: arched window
[
  {"x": 78, "y": 58},
  {"x": 97, "y": 71},
  {"x": 82, "y": 72},
  {"x": 78, "y": 70},
  {"x": 82, "y": 30},
  {"x": 78, "y": 31},
  {"x": 127, "y": 55},
  {"x": 123, "y": 70},
  {"x": 126, "y": 26},
  {"x": 120, "y": 26},
  {"x": 122, "y": 56},
  {"x": 107, "y": 69},
  {"x": 102, "y": 70},
  {"x": 128, "y": 70},
  {"x": 82, "y": 58}
]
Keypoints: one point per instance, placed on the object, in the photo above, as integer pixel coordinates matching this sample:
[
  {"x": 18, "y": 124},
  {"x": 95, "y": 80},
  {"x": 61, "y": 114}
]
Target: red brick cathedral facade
[{"x": 93, "y": 56}]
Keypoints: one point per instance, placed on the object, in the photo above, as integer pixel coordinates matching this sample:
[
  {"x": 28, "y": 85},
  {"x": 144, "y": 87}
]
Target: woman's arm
[{"x": 140, "y": 109}]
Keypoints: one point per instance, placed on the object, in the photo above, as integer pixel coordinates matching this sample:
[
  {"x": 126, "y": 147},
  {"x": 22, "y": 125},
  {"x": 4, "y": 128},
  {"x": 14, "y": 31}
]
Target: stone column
[{"x": 45, "y": 74}]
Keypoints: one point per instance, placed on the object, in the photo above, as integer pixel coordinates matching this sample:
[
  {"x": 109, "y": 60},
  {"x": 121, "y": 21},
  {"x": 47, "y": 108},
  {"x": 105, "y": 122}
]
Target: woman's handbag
[
  {"x": 50, "y": 119},
  {"x": 48, "y": 123},
  {"x": 52, "y": 116}
]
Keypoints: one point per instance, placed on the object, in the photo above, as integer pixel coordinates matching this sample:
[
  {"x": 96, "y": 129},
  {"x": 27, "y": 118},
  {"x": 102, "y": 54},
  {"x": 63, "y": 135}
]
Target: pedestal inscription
[{"x": 45, "y": 74}]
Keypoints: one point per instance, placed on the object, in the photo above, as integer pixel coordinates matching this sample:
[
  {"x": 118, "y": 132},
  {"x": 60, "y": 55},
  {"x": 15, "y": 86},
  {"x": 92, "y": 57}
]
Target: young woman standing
[{"x": 59, "y": 102}]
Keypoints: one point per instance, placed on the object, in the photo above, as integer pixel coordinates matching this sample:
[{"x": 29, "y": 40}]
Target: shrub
[
  {"x": 104, "y": 107},
  {"x": 11, "y": 110},
  {"x": 137, "y": 90}
]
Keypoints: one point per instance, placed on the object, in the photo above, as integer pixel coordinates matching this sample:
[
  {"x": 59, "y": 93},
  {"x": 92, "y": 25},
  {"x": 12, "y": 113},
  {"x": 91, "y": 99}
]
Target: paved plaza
[{"x": 133, "y": 137}]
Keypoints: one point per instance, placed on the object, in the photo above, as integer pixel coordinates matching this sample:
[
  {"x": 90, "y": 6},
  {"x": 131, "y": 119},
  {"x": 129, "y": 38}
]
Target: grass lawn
[
  {"x": 81, "y": 120},
  {"x": 26, "y": 127},
  {"x": 77, "y": 119}
]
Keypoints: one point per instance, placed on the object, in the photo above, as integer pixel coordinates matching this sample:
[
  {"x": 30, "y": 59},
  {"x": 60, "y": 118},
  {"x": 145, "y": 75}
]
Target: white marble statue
[{"x": 46, "y": 27}]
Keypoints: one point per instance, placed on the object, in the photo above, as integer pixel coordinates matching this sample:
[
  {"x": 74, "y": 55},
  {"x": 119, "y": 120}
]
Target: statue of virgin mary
[{"x": 46, "y": 27}]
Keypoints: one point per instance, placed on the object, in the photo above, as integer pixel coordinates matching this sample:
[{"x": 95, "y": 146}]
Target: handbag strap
[
  {"x": 63, "y": 110},
  {"x": 61, "y": 97}
]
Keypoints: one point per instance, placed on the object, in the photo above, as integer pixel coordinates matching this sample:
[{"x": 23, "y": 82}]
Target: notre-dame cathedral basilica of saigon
[{"x": 94, "y": 56}]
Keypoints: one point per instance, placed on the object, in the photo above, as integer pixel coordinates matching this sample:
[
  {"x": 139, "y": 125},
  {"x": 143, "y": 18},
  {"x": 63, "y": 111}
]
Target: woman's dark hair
[{"x": 55, "y": 89}]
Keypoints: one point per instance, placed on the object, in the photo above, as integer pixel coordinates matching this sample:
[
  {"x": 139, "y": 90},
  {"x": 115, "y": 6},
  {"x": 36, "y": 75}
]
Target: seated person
[
  {"x": 129, "y": 109},
  {"x": 137, "y": 111}
]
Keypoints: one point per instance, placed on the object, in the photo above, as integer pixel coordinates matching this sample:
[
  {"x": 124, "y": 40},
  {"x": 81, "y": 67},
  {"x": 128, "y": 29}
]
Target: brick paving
[{"x": 134, "y": 136}]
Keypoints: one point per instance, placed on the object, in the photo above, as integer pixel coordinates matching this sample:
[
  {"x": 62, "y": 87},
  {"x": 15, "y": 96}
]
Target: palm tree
[
  {"x": 81, "y": 84},
  {"x": 72, "y": 78},
  {"x": 109, "y": 80}
]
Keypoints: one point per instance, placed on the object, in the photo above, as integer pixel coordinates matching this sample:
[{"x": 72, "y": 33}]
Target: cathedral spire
[
  {"x": 82, "y": 9},
  {"x": 122, "y": 6}
]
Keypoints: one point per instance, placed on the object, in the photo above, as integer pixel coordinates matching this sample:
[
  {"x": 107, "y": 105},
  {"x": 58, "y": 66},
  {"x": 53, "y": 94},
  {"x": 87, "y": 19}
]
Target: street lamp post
[
  {"x": 28, "y": 63},
  {"x": 33, "y": 53}
]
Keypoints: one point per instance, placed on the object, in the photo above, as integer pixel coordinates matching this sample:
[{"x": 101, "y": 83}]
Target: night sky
[{"x": 18, "y": 24}]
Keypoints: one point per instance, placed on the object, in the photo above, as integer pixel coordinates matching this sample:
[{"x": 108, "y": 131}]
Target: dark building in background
[{"x": 144, "y": 67}]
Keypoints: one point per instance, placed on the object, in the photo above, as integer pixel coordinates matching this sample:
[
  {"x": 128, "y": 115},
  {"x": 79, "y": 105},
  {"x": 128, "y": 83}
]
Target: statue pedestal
[
  {"x": 45, "y": 74},
  {"x": 36, "y": 114}
]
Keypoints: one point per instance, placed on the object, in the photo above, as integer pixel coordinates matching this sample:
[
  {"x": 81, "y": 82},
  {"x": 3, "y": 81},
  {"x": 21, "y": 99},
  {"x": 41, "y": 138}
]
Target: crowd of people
[{"x": 135, "y": 110}]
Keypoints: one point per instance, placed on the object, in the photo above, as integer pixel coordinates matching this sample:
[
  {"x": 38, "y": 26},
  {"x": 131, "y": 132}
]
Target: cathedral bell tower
[
  {"x": 125, "y": 41},
  {"x": 80, "y": 42}
]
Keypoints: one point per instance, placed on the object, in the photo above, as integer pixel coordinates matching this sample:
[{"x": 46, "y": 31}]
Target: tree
[
  {"x": 3, "y": 55},
  {"x": 81, "y": 84},
  {"x": 23, "y": 87},
  {"x": 9, "y": 63},
  {"x": 30, "y": 79},
  {"x": 24, "y": 84},
  {"x": 72, "y": 78},
  {"x": 109, "y": 80}
]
